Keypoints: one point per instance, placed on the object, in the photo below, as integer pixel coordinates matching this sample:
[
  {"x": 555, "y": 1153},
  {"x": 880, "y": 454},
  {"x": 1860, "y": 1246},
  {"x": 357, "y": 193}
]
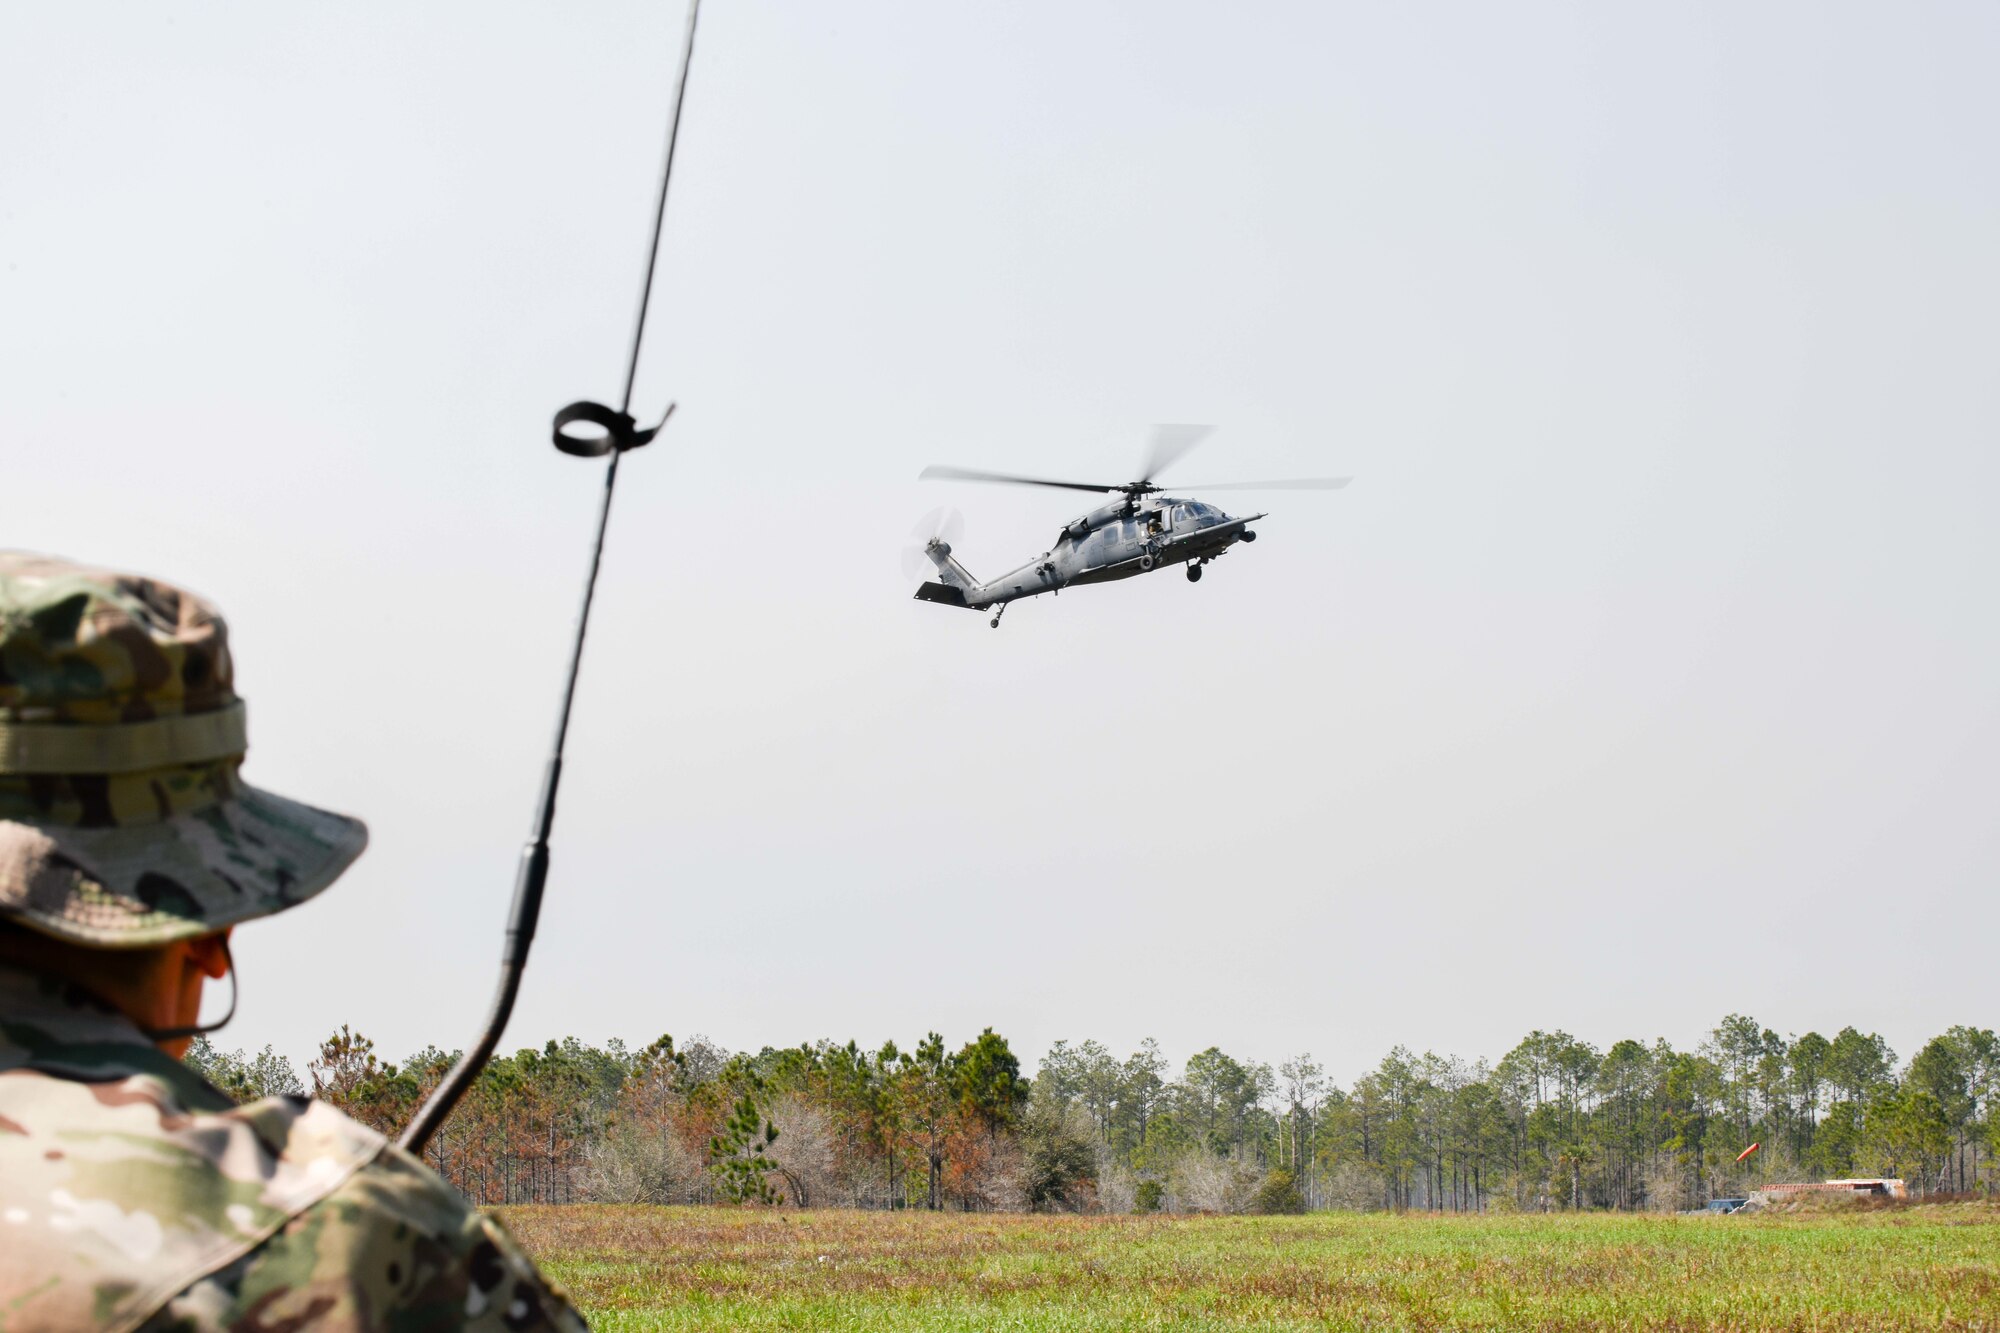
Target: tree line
[{"x": 1555, "y": 1124}]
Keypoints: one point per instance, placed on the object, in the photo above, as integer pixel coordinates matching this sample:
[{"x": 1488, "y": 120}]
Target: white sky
[{"x": 1647, "y": 672}]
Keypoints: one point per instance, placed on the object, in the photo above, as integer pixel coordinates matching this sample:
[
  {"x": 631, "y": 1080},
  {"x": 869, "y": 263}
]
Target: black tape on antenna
[{"x": 621, "y": 432}]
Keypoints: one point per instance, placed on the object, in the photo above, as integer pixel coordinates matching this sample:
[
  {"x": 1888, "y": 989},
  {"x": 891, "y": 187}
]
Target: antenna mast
[{"x": 603, "y": 432}]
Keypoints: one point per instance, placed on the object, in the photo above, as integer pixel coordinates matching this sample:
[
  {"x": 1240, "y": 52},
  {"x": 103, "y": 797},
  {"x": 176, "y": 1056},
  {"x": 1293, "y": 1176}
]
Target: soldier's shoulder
[
  {"x": 121, "y": 1203},
  {"x": 118, "y": 1193},
  {"x": 393, "y": 1246}
]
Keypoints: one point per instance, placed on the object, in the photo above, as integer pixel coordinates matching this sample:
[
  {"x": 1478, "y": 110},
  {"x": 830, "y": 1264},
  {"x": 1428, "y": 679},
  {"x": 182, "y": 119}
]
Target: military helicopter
[{"x": 1137, "y": 534}]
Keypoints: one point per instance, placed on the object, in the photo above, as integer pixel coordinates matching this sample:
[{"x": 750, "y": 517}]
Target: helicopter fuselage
[{"x": 1116, "y": 541}]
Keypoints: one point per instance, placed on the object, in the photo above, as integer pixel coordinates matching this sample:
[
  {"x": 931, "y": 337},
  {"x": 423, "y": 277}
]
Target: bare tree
[{"x": 803, "y": 1151}]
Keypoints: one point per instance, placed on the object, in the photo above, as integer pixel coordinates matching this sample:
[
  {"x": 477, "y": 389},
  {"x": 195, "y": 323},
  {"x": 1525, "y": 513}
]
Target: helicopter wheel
[
  {"x": 995, "y": 622},
  {"x": 1194, "y": 573},
  {"x": 1145, "y": 562}
]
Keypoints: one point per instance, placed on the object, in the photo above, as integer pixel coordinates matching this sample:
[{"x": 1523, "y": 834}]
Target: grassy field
[{"x": 1931, "y": 1267}]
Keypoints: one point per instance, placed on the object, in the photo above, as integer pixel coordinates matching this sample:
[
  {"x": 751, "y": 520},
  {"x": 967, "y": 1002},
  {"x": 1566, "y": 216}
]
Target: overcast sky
[{"x": 1647, "y": 671}]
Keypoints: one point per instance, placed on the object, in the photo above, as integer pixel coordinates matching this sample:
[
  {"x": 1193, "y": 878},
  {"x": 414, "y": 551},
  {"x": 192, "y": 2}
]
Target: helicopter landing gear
[
  {"x": 1194, "y": 573},
  {"x": 995, "y": 622},
  {"x": 1146, "y": 561}
]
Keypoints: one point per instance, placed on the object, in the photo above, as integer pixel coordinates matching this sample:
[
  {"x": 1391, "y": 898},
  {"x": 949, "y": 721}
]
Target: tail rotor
[{"x": 943, "y": 527}]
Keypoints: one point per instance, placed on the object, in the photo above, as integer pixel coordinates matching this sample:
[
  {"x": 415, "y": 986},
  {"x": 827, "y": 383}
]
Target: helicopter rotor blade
[
  {"x": 1169, "y": 443},
  {"x": 1288, "y": 484},
  {"x": 938, "y": 472}
]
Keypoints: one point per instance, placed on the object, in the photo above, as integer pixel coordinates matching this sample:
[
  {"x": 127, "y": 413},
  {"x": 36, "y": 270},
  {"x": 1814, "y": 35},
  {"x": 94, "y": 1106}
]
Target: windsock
[{"x": 1747, "y": 1151}]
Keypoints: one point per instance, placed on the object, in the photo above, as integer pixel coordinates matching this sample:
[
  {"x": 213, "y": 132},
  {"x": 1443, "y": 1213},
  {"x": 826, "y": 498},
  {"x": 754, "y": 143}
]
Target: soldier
[{"x": 133, "y": 1195}]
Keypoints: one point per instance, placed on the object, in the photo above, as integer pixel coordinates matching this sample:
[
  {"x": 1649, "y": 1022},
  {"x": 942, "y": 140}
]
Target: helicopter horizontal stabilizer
[{"x": 938, "y": 592}]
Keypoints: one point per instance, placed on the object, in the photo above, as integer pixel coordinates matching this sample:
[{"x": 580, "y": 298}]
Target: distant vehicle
[
  {"x": 1138, "y": 534},
  {"x": 1724, "y": 1205}
]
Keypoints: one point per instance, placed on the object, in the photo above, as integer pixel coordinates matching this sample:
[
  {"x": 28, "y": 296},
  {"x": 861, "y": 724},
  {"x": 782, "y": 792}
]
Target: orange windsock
[{"x": 1747, "y": 1151}]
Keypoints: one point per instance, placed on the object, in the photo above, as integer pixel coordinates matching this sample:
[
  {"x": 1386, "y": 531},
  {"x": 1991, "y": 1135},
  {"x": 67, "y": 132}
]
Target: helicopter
[{"x": 1139, "y": 533}]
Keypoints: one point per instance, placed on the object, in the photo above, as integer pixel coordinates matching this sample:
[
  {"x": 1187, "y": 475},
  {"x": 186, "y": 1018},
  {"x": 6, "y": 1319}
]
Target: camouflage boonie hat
[{"x": 123, "y": 822}]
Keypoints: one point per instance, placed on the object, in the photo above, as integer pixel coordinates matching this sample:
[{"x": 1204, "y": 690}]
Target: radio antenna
[{"x": 583, "y": 430}]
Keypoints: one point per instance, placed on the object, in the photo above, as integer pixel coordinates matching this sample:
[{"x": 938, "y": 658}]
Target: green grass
[{"x": 1932, "y": 1267}]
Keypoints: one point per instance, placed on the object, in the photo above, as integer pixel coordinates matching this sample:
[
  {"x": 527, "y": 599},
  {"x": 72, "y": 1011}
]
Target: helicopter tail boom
[{"x": 951, "y": 574}]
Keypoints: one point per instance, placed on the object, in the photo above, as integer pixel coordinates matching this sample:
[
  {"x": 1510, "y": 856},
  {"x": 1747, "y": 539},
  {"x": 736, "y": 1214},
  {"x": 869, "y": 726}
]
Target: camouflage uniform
[{"x": 132, "y": 1194}]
